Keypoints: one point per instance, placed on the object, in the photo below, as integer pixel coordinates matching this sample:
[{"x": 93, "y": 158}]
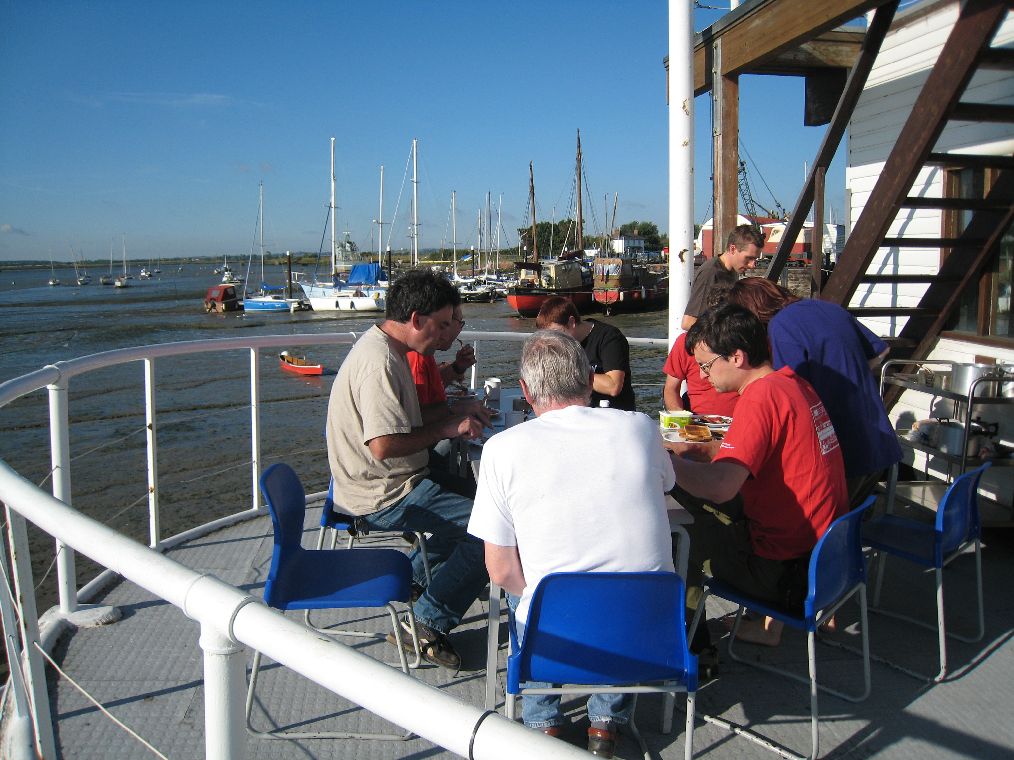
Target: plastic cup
[{"x": 672, "y": 420}]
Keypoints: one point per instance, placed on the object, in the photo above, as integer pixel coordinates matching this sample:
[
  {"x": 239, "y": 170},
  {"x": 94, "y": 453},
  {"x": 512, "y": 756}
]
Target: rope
[
  {"x": 475, "y": 730},
  {"x": 99, "y": 706}
]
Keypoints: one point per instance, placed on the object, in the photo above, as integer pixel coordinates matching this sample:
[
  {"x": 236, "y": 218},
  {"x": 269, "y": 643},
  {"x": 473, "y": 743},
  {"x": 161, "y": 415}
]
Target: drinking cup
[
  {"x": 677, "y": 419},
  {"x": 492, "y": 389}
]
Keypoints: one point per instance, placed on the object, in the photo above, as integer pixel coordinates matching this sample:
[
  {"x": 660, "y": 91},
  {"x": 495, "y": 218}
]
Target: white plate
[
  {"x": 675, "y": 436},
  {"x": 713, "y": 421}
]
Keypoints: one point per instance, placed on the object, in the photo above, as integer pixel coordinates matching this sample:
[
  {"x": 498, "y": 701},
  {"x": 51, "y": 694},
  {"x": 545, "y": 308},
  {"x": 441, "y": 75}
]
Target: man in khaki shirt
[{"x": 378, "y": 452}]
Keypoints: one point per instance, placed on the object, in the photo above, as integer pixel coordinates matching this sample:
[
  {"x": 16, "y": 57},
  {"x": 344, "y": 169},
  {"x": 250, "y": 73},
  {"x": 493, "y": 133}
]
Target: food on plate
[
  {"x": 712, "y": 419},
  {"x": 459, "y": 391},
  {"x": 696, "y": 433}
]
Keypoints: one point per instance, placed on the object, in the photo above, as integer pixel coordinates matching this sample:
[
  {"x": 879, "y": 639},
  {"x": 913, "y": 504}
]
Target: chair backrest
[
  {"x": 958, "y": 513},
  {"x": 836, "y": 563},
  {"x": 330, "y": 517},
  {"x": 605, "y": 629},
  {"x": 286, "y": 501}
]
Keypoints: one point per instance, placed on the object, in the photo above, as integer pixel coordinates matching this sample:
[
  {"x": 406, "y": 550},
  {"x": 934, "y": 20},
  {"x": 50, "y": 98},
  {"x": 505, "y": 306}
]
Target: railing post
[
  {"x": 475, "y": 367},
  {"x": 154, "y": 531},
  {"x": 59, "y": 452},
  {"x": 21, "y": 738},
  {"x": 255, "y": 427},
  {"x": 35, "y": 668},
  {"x": 224, "y": 696}
]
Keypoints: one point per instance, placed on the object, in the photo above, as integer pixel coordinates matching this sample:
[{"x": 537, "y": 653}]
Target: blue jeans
[
  {"x": 457, "y": 563},
  {"x": 543, "y": 710}
]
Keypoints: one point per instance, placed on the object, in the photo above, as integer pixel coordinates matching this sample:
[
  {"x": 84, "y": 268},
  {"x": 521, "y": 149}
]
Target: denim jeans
[
  {"x": 457, "y": 563},
  {"x": 543, "y": 710}
]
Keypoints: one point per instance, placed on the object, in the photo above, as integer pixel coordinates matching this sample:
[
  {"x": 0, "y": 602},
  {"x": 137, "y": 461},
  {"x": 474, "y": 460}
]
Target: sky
[{"x": 157, "y": 121}]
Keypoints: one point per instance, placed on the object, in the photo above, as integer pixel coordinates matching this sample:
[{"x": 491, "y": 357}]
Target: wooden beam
[
  {"x": 756, "y": 34},
  {"x": 725, "y": 157}
]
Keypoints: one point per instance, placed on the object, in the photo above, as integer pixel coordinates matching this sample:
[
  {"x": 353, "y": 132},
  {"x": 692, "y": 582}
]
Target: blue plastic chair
[
  {"x": 836, "y": 573},
  {"x": 306, "y": 579},
  {"x": 618, "y": 632},
  {"x": 955, "y": 529}
]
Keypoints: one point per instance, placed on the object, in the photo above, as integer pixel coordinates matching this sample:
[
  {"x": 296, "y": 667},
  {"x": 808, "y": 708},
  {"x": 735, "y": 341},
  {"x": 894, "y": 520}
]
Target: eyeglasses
[
  {"x": 706, "y": 367},
  {"x": 461, "y": 322}
]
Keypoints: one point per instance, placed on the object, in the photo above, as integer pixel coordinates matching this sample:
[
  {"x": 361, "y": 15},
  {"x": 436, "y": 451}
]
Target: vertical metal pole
[
  {"x": 59, "y": 448},
  {"x": 35, "y": 667},
  {"x": 415, "y": 204},
  {"x": 681, "y": 162},
  {"x": 224, "y": 697},
  {"x": 21, "y": 737},
  {"x": 255, "y": 427},
  {"x": 817, "y": 238},
  {"x": 154, "y": 531}
]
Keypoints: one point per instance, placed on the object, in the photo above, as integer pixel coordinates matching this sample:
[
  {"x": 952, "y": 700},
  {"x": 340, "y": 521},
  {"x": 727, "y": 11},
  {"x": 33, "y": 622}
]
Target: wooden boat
[
  {"x": 298, "y": 364},
  {"x": 621, "y": 285}
]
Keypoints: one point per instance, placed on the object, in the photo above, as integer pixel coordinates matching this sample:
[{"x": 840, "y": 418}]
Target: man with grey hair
[{"x": 542, "y": 508}]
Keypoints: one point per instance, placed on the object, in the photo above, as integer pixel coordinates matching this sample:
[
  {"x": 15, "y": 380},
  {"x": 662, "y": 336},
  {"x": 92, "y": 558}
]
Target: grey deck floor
[{"x": 147, "y": 670}]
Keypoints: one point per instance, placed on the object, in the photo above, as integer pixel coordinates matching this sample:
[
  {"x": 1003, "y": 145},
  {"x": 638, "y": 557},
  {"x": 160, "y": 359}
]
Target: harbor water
[{"x": 203, "y": 422}]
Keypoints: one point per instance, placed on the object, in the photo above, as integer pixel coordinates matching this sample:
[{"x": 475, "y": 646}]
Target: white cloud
[{"x": 9, "y": 229}]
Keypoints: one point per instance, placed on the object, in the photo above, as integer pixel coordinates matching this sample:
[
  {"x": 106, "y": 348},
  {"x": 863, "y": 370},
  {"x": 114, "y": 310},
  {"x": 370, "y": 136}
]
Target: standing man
[
  {"x": 740, "y": 254},
  {"x": 538, "y": 517},
  {"x": 377, "y": 446},
  {"x": 780, "y": 454},
  {"x": 607, "y": 350}
]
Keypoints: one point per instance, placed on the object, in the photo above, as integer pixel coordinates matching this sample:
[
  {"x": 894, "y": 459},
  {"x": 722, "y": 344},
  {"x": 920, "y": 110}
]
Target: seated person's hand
[
  {"x": 698, "y": 452},
  {"x": 465, "y": 426},
  {"x": 465, "y": 357}
]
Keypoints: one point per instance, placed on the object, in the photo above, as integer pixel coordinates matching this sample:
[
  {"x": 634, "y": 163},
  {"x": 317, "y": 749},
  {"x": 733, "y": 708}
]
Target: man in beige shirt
[{"x": 378, "y": 452}]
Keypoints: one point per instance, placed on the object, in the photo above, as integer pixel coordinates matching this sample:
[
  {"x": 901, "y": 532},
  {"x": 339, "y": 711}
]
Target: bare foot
[{"x": 764, "y": 631}]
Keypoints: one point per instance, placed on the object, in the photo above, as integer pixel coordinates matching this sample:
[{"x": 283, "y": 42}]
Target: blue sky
[{"x": 158, "y": 120}]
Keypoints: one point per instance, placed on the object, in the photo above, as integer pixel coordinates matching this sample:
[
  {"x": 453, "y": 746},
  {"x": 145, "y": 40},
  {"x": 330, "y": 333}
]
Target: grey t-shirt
[
  {"x": 711, "y": 272},
  {"x": 373, "y": 395}
]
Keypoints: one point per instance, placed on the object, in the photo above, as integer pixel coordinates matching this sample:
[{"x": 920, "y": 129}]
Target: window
[{"x": 984, "y": 311}]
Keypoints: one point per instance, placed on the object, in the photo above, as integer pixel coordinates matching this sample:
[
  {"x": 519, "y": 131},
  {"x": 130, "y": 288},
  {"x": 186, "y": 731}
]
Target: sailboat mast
[
  {"x": 499, "y": 208},
  {"x": 334, "y": 243},
  {"x": 380, "y": 218},
  {"x": 580, "y": 219},
  {"x": 477, "y": 252},
  {"x": 260, "y": 215},
  {"x": 124, "y": 254},
  {"x": 415, "y": 204},
  {"x": 531, "y": 200},
  {"x": 489, "y": 230},
  {"x": 454, "y": 233}
]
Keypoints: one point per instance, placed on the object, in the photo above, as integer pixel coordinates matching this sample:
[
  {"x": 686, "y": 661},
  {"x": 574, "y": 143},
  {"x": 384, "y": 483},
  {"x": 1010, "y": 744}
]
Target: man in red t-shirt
[
  {"x": 704, "y": 399},
  {"x": 780, "y": 455}
]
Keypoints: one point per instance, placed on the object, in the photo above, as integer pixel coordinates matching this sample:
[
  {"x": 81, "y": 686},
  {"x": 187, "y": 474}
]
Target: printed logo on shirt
[{"x": 825, "y": 430}]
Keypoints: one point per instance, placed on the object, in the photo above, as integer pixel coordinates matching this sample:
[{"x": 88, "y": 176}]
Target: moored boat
[
  {"x": 621, "y": 285},
  {"x": 298, "y": 364},
  {"x": 544, "y": 279}
]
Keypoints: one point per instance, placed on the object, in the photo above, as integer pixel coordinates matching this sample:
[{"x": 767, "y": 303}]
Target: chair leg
[
  {"x": 811, "y": 654},
  {"x": 881, "y": 563},
  {"x": 941, "y": 625},
  {"x": 688, "y": 740},
  {"x": 632, "y": 727},
  {"x": 421, "y": 538},
  {"x": 668, "y": 708}
]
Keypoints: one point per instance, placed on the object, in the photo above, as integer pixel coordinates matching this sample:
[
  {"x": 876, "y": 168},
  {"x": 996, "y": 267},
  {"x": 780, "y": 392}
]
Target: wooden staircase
[{"x": 965, "y": 254}]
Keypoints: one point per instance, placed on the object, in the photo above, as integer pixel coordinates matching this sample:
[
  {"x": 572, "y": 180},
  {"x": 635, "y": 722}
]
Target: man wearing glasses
[
  {"x": 378, "y": 441},
  {"x": 781, "y": 455},
  {"x": 740, "y": 255}
]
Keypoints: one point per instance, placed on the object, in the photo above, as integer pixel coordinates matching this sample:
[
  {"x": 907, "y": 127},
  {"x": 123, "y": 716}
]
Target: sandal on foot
[
  {"x": 601, "y": 742},
  {"x": 434, "y": 646}
]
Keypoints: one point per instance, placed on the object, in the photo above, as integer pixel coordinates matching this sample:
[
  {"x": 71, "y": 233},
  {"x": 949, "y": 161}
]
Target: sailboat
[
  {"x": 52, "y": 275},
  {"x": 80, "y": 273},
  {"x": 107, "y": 279},
  {"x": 365, "y": 285},
  {"x": 565, "y": 276},
  {"x": 270, "y": 299},
  {"x": 121, "y": 281}
]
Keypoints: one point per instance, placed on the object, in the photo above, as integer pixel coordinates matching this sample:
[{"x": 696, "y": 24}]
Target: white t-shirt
[{"x": 576, "y": 489}]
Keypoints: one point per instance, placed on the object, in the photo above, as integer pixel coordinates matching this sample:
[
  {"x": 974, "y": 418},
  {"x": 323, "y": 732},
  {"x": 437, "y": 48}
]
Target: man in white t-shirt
[{"x": 548, "y": 501}]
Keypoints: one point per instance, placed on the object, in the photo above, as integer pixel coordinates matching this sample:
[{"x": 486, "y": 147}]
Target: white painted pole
[
  {"x": 224, "y": 696},
  {"x": 19, "y": 743},
  {"x": 380, "y": 220},
  {"x": 454, "y": 233},
  {"x": 59, "y": 452},
  {"x": 681, "y": 161},
  {"x": 154, "y": 530},
  {"x": 255, "y": 428}
]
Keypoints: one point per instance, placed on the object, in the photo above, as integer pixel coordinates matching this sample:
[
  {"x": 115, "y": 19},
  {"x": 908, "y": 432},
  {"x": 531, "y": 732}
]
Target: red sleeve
[
  {"x": 426, "y": 375},
  {"x": 676, "y": 362},
  {"x": 750, "y": 439}
]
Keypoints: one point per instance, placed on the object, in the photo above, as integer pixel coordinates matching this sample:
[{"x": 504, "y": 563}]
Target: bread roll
[{"x": 697, "y": 433}]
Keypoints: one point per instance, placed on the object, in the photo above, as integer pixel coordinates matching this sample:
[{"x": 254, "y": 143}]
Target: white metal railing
[{"x": 228, "y": 616}]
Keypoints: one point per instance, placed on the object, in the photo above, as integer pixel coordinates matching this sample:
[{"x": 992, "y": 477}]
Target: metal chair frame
[
  {"x": 281, "y": 488},
  {"x": 943, "y": 533},
  {"x": 589, "y": 627},
  {"x": 842, "y": 541}
]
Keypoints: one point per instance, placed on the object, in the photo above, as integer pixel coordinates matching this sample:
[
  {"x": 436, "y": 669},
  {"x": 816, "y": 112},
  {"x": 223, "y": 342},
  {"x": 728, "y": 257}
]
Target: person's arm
[
  {"x": 609, "y": 383},
  {"x": 687, "y": 322},
  {"x": 453, "y": 371},
  {"x": 717, "y": 482},
  {"x": 405, "y": 444},
  {"x": 434, "y": 412},
  {"x": 671, "y": 393},
  {"x": 503, "y": 563}
]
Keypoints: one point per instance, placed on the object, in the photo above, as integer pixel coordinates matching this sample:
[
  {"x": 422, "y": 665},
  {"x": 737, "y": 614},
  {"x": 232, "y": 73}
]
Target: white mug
[{"x": 492, "y": 388}]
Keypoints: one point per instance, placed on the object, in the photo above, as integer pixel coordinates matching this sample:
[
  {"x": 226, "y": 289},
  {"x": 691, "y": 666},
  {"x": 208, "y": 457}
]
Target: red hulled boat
[{"x": 298, "y": 364}]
